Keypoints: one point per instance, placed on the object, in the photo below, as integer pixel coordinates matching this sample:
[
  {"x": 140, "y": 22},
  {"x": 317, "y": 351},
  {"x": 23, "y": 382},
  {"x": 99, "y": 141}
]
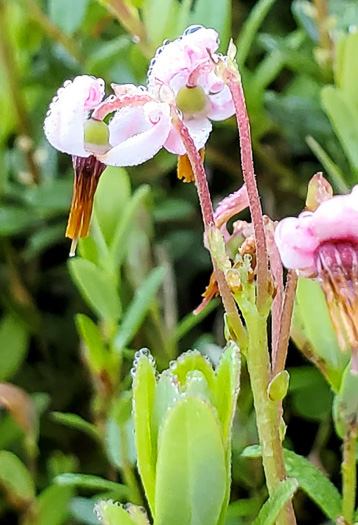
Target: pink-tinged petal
[
  {"x": 337, "y": 218},
  {"x": 139, "y": 135},
  {"x": 221, "y": 105},
  {"x": 199, "y": 130},
  {"x": 182, "y": 55},
  {"x": 68, "y": 111},
  {"x": 296, "y": 242}
]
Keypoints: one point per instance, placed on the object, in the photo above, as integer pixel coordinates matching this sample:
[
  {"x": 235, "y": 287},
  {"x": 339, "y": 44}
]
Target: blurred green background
[{"x": 69, "y": 329}]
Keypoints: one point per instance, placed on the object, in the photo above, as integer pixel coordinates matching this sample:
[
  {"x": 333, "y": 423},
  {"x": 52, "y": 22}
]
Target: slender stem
[
  {"x": 52, "y": 30},
  {"x": 267, "y": 411},
  {"x": 208, "y": 218},
  {"x": 129, "y": 19},
  {"x": 280, "y": 351},
  {"x": 7, "y": 57},
  {"x": 234, "y": 83},
  {"x": 349, "y": 473}
]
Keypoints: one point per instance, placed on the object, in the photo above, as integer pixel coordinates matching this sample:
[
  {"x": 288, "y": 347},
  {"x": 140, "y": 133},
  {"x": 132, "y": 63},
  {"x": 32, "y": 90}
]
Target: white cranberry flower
[{"x": 323, "y": 244}]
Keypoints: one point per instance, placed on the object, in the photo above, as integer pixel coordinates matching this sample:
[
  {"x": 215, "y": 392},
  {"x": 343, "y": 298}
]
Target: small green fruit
[
  {"x": 191, "y": 99},
  {"x": 96, "y": 135}
]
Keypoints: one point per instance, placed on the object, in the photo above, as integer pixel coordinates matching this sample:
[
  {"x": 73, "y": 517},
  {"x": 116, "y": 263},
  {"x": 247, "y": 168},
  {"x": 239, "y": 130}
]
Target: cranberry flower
[
  {"x": 323, "y": 244},
  {"x": 181, "y": 82}
]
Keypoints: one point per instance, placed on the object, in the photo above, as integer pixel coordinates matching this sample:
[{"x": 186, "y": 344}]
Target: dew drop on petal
[{"x": 192, "y": 29}]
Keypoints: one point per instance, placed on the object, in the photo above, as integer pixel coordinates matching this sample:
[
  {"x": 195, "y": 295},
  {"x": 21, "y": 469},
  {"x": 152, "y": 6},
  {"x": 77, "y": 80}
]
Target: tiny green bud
[
  {"x": 96, "y": 135},
  {"x": 191, "y": 99},
  {"x": 278, "y": 386}
]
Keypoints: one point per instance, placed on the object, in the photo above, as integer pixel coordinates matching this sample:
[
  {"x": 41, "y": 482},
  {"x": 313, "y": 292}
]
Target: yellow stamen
[{"x": 184, "y": 169}]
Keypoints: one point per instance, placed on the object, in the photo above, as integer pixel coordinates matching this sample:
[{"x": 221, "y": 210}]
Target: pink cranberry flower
[
  {"x": 181, "y": 82},
  {"x": 323, "y": 244}
]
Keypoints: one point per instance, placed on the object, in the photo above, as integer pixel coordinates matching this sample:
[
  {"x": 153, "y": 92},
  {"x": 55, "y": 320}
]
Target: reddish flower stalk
[
  {"x": 232, "y": 78},
  {"x": 208, "y": 218}
]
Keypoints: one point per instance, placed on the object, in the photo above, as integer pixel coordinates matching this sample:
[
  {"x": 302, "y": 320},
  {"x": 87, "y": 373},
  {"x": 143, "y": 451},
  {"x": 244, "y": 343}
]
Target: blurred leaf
[
  {"x": 76, "y": 422},
  {"x": 14, "y": 342},
  {"x": 250, "y": 29},
  {"x": 96, "y": 287},
  {"x": 137, "y": 310},
  {"x": 43, "y": 239},
  {"x": 112, "y": 195},
  {"x": 68, "y": 15},
  {"x": 83, "y": 510},
  {"x": 105, "y": 56},
  {"x": 93, "y": 339},
  {"x": 96, "y": 483},
  {"x": 344, "y": 118},
  {"x": 155, "y": 10},
  {"x": 21, "y": 407},
  {"x": 120, "y": 238},
  {"x": 15, "y": 220},
  {"x": 311, "y": 394},
  {"x": 173, "y": 210},
  {"x": 120, "y": 443},
  {"x": 313, "y": 312},
  {"x": 304, "y": 12},
  {"x": 335, "y": 174},
  {"x": 143, "y": 398},
  {"x": 348, "y": 397},
  {"x": 113, "y": 514},
  {"x": 191, "y": 469},
  {"x": 227, "y": 384},
  {"x": 346, "y": 71},
  {"x": 272, "y": 507},
  {"x": 51, "y": 197},
  {"x": 53, "y": 505},
  {"x": 15, "y": 479}
]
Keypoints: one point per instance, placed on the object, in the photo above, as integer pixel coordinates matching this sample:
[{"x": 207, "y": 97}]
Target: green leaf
[
  {"x": 14, "y": 342},
  {"x": 155, "y": 10},
  {"x": 95, "y": 483},
  {"x": 313, "y": 312},
  {"x": 15, "y": 479},
  {"x": 335, "y": 174},
  {"x": 119, "y": 244},
  {"x": 112, "y": 195},
  {"x": 15, "y": 220},
  {"x": 310, "y": 479},
  {"x": 166, "y": 395},
  {"x": 346, "y": 70},
  {"x": 348, "y": 397},
  {"x": 272, "y": 507},
  {"x": 53, "y": 505},
  {"x": 96, "y": 287},
  {"x": 143, "y": 398},
  {"x": 250, "y": 29},
  {"x": 68, "y": 15},
  {"x": 344, "y": 119},
  {"x": 193, "y": 361},
  {"x": 316, "y": 485},
  {"x": 82, "y": 509},
  {"x": 137, "y": 310},
  {"x": 120, "y": 443},
  {"x": 227, "y": 384},
  {"x": 90, "y": 333},
  {"x": 76, "y": 422},
  {"x": 214, "y": 14},
  {"x": 191, "y": 468},
  {"x": 113, "y": 514}
]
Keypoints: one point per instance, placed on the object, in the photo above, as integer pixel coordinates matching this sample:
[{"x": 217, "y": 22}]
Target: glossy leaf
[
  {"x": 143, "y": 398},
  {"x": 272, "y": 507},
  {"x": 97, "y": 288},
  {"x": 191, "y": 469}
]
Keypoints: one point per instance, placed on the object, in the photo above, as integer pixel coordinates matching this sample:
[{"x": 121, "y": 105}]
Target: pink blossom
[{"x": 300, "y": 239}]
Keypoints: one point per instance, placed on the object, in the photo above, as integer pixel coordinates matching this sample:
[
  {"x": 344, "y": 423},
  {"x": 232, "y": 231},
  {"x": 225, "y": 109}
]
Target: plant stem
[
  {"x": 233, "y": 80},
  {"x": 11, "y": 72},
  {"x": 267, "y": 413},
  {"x": 208, "y": 218},
  {"x": 349, "y": 473}
]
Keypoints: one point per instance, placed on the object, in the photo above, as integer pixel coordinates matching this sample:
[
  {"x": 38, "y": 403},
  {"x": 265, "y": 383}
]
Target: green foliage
[{"x": 272, "y": 507}]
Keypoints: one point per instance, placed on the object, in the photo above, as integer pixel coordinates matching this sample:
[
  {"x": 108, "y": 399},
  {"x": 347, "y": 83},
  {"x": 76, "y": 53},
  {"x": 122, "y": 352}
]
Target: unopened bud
[
  {"x": 319, "y": 190},
  {"x": 234, "y": 281},
  {"x": 278, "y": 386}
]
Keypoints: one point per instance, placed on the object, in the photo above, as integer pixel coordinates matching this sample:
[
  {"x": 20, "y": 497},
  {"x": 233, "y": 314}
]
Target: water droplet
[
  {"x": 165, "y": 43},
  {"x": 192, "y": 29}
]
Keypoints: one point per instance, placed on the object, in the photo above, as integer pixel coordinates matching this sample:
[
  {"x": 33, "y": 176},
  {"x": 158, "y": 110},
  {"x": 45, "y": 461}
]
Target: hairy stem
[
  {"x": 349, "y": 473},
  {"x": 11, "y": 72},
  {"x": 208, "y": 218},
  {"x": 234, "y": 83}
]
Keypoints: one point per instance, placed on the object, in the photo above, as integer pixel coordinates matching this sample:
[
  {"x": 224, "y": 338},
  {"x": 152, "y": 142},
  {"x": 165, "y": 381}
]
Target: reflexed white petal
[
  {"x": 222, "y": 105},
  {"x": 137, "y": 134},
  {"x": 199, "y": 130},
  {"x": 68, "y": 111}
]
